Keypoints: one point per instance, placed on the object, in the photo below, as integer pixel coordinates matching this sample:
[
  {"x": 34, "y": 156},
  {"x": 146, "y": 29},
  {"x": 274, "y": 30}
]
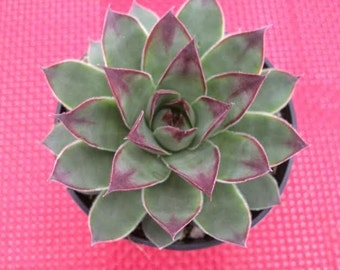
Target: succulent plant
[{"x": 171, "y": 122}]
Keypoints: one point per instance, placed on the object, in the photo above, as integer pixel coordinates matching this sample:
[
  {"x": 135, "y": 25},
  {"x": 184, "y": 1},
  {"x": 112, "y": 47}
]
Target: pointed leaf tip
[
  {"x": 132, "y": 90},
  {"x": 166, "y": 39},
  {"x": 241, "y": 52},
  {"x": 179, "y": 204},
  {"x": 199, "y": 167},
  {"x": 185, "y": 74},
  {"x": 129, "y": 171},
  {"x": 122, "y": 31},
  {"x": 141, "y": 135},
  {"x": 204, "y": 21}
]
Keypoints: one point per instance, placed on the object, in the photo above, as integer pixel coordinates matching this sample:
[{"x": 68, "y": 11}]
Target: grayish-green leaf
[
  {"x": 83, "y": 168},
  {"x": 260, "y": 193},
  {"x": 156, "y": 234},
  {"x": 74, "y": 82},
  {"x": 145, "y": 16},
  {"x": 241, "y": 52},
  {"x": 129, "y": 171},
  {"x": 279, "y": 139},
  {"x": 242, "y": 157},
  {"x": 58, "y": 138},
  {"x": 226, "y": 217},
  {"x": 173, "y": 203},
  {"x": 123, "y": 41},
  {"x": 115, "y": 216},
  {"x": 95, "y": 54},
  {"x": 97, "y": 122},
  {"x": 204, "y": 20},
  {"x": 276, "y": 91}
]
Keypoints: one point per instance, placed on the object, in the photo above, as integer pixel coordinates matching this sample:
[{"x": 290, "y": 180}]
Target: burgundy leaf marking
[
  {"x": 174, "y": 224},
  {"x": 248, "y": 83},
  {"x": 121, "y": 180},
  {"x": 168, "y": 31},
  {"x": 179, "y": 134},
  {"x": 157, "y": 98},
  {"x": 137, "y": 137},
  {"x": 204, "y": 181},
  {"x": 217, "y": 108},
  {"x": 118, "y": 79},
  {"x": 69, "y": 119},
  {"x": 188, "y": 59},
  {"x": 254, "y": 37},
  {"x": 112, "y": 20}
]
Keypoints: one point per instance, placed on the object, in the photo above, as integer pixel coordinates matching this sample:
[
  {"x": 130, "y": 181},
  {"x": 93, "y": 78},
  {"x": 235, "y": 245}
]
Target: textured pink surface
[{"x": 41, "y": 227}]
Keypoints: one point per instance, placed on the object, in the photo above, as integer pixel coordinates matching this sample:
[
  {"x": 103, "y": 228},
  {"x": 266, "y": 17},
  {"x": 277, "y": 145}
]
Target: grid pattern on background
[{"x": 41, "y": 228}]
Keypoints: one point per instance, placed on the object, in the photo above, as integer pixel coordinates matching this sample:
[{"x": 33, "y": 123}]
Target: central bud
[
  {"x": 173, "y": 118},
  {"x": 172, "y": 125}
]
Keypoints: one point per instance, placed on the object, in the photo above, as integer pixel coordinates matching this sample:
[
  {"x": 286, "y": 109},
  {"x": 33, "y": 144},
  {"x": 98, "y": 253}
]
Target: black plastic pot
[{"x": 84, "y": 201}]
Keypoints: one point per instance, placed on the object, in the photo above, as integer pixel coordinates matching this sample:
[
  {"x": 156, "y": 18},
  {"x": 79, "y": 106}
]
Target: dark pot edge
[{"x": 288, "y": 113}]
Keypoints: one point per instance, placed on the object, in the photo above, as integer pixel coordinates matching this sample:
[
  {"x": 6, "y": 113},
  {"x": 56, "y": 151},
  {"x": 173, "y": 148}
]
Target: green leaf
[
  {"x": 74, "y": 82},
  {"x": 277, "y": 136},
  {"x": 185, "y": 74},
  {"x": 166, "y": 39},
  {"x": 115, "y": 216},
  {"x": 156, "y": 234},
  {"x": 132, "y": 90},
  {"x": 260, "y": 193},
  {"x": 172, "y": 204},
  {"x": 204, "y": 20},
  {"x": 242, "y": 157},
  {"x": 83, "y": 168},
  {"x": 123, "y": 41},
  {"x": 210, "y": 113},
  {"x": 95, "y": 54},
  {"x": 174, "y": 139},
  {"x": 236, "y": 53},
  {"x": 129, "y": 171},
  {"x": 199, "y": 167},
  {"x": 275, "y": 92},
  {"x": 145, "y": 16},
  {"x": 97, "y": 122},
  {"x": 159, "y": 99},
  {"x": 58, "y": 138},
  {"x": 226, "y": 217},
  {"x": 141, "y": 135},
  {"x": 240, "y": 89}
]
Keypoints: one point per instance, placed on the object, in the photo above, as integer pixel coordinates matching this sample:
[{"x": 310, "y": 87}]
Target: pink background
[{"x": 41, "y": 227}]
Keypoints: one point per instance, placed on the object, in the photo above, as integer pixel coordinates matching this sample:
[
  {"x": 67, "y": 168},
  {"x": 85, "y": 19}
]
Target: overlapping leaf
[
  {"x": 97, "y": 122},
  {"x": 145, "y": 16},
  {"x": 58, "y": 138},
  {"x": 226, "y": 217},
  {"x": 185, "y": 74},
  {"x": 240, "y": 89},
  {"x": 166, "y": 39},
  {"x": 111, "y": 220},
  {"x": 236, "y": 53},
  {"x": 260, "y": 193},
  {"x": 199, "y": 167},
  {"x": 141, "y": 135},
  {"x": 275, "y": 92},
  {"x": 242, "y": 157},
  {"x": 176, "y": 207},
  {"x": 210, "y": 113},
  {"x": 204, "y": 20},
  {"x": 129, "y": 171},
  {"x": 73, "y": 82},
  {"x": 278, "y": 138},
  {"x": 122, "y": 31},
  {"x": 132, "y": 90},
  {"x": 82, "y": 167}
]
